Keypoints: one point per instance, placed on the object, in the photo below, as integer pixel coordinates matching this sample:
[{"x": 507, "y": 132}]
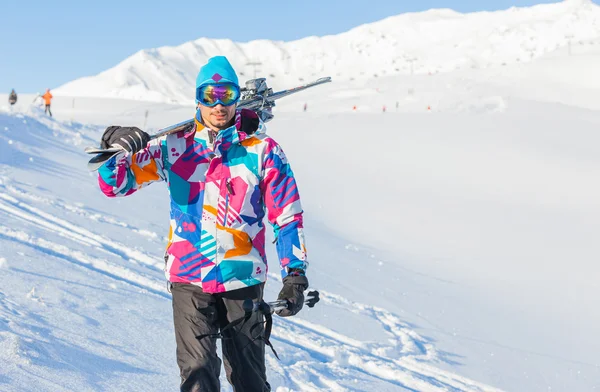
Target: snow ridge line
[
  {"x": 66, "y": 229},
  {"x": 76, "y": 208},
  {"x": 81, "y": 259}
]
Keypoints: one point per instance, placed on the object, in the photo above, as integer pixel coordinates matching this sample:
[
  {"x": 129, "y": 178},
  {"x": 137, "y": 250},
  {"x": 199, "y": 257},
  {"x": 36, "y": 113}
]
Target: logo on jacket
[{"x": 189, "y": 227}]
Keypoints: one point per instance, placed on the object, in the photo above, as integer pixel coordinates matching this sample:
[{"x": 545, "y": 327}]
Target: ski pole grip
[{"x": 312, "y": 298}]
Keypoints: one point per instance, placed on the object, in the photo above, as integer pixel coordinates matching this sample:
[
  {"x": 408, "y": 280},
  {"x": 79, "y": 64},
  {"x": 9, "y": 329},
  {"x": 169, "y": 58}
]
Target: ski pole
[
  {"x": 267, "y": 309},
  {"x": 250, "y": 306}
]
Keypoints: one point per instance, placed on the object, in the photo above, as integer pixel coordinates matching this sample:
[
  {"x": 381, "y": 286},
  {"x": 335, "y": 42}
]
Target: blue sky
[{"x": 48, "y": 43}]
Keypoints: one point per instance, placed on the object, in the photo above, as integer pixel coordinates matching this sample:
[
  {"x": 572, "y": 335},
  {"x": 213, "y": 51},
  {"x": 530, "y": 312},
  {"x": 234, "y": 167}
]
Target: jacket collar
[{"x": 235, "y": 134}]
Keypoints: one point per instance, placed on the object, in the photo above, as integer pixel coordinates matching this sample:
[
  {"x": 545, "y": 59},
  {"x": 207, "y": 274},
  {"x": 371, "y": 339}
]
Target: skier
[
  {"x": 223, "y": 177},
  {"x": 12, "y": 98},
  {"x": 47, "y": 100}
]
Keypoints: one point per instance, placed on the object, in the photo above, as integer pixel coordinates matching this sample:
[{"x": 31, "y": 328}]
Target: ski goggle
[{"x": 214, "y": 94}]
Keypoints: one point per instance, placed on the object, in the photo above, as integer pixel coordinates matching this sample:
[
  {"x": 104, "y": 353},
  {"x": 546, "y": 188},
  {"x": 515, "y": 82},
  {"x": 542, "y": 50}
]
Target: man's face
[{"x": 217, "y": 117}]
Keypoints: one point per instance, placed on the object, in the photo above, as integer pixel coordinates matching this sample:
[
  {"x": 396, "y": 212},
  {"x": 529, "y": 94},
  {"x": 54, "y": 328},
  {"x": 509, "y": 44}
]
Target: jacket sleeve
[
  {"x": 125, "y": 173},
  {"x": 284, "y": 210}
]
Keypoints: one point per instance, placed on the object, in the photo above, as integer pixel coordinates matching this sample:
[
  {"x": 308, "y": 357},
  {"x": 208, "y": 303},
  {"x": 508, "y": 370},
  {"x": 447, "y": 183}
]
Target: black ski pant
[
  {"x": 47, "y": 111},
  {"x": 196, "y": 313}
]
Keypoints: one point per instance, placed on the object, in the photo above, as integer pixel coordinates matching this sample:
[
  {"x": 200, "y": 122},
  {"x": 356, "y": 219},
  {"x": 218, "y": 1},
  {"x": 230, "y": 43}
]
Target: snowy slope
[
  {"x": 456, "y": 247},
  {"x": 84, "y": 306},
  {"x": 435, "y": 41}
]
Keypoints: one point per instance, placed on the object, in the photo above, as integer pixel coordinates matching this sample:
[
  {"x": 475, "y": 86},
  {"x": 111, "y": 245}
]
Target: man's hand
[
  {"x": 293, "y": 293},
  {"x": 131, "y": 139}
]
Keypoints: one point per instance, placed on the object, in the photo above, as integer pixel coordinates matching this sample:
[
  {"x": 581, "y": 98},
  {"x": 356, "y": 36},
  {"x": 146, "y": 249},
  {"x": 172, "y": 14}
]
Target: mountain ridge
[{"x": 402, "y": 44}]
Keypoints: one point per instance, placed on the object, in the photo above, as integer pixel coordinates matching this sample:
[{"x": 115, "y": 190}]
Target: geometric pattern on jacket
[{"x": 221, "y": 186}]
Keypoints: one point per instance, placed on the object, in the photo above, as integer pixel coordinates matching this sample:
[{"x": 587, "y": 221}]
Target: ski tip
[
  {"x": 90, "y": 149},
  {"x": 96, "y": 150},
  {"x": 96, "y": 162}
]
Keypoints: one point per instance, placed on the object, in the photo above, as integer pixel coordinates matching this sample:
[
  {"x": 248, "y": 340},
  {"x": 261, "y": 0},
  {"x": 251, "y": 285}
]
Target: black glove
[
  {"x": 293, "y": 293},
  {"x": 131, "y": 139}
]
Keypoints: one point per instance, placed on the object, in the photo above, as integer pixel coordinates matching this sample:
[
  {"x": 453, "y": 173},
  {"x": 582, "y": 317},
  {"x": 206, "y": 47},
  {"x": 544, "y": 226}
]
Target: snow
[
  {"x": 84, "y": 304},
  {"x": 436, "y": 41},
  {"x": 455, "y": 249}
]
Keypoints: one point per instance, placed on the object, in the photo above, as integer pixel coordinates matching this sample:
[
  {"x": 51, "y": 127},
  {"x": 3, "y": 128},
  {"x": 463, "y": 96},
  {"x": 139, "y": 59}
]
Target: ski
[
  {"x": 256, "y": 95},
  {"x": 96, "y": 150}
]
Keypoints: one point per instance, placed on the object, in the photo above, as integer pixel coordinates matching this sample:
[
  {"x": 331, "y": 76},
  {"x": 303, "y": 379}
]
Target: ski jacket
[
  {"x": 47, "y": 97},
  {"x": 12, "y": 98},
  {"x": 221, "y": 186}
]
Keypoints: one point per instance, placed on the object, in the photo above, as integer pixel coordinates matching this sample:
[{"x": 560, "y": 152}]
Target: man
[
  {"x": 12, "y": 98},
  {"x": 222, "y": 177},
  {"x": 47, "y": 100}
]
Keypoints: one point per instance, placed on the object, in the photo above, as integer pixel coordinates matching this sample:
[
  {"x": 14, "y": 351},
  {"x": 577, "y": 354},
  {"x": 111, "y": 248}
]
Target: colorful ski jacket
[{"x": 221, "y": 185}]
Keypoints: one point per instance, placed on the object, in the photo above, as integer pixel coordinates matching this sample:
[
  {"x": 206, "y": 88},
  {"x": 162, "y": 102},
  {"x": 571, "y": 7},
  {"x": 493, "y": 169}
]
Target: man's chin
[
  {"x": 221, "y": 121},
  {"x": 219, "y": 124}
]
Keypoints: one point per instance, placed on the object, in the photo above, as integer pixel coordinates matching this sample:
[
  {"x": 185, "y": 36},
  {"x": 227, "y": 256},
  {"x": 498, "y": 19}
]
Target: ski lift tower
[
  {"x": 412, "y": 60},
  {"x": 254, "y": 64},
  {"x": 569, "y": 38}
]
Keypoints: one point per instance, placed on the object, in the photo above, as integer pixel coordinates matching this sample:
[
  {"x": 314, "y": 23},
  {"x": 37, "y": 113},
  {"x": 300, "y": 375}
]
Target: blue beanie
[{"x": 217, "y": 70}]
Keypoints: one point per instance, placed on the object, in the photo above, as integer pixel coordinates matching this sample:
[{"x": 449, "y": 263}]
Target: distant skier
[
  {"x": 12, "y": 98},
  {"x": 47, "y": 100},
  {"x": 305, "y": 106},
  {"x": 223, "y": 176}
]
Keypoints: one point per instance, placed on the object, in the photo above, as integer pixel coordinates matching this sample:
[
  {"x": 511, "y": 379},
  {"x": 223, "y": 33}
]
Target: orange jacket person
[{"x": 47, "y": 99}]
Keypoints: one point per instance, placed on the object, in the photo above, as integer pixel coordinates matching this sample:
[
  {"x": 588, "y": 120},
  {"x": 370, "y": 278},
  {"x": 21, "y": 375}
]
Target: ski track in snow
[
  {"x": 314, "y": 357},
  {"x": 22, "y": 210},
  {"x": 39, "y": 219},
  {"x": 79, "y": 210},
  {"x": 402, "y": 362}
]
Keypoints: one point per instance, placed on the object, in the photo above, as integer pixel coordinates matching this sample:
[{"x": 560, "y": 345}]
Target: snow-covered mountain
[
  {"x": 435, "y": 41},
  {"x": 455, "y": 249}
]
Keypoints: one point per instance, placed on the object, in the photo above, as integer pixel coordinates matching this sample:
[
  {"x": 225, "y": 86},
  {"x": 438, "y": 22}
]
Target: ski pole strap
[
  {"x": 261, "y": 307},
  {"x": 266, "y": 309},
  {"x": 220, "y": 335},
  {"x": 267, "y": 333}
]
